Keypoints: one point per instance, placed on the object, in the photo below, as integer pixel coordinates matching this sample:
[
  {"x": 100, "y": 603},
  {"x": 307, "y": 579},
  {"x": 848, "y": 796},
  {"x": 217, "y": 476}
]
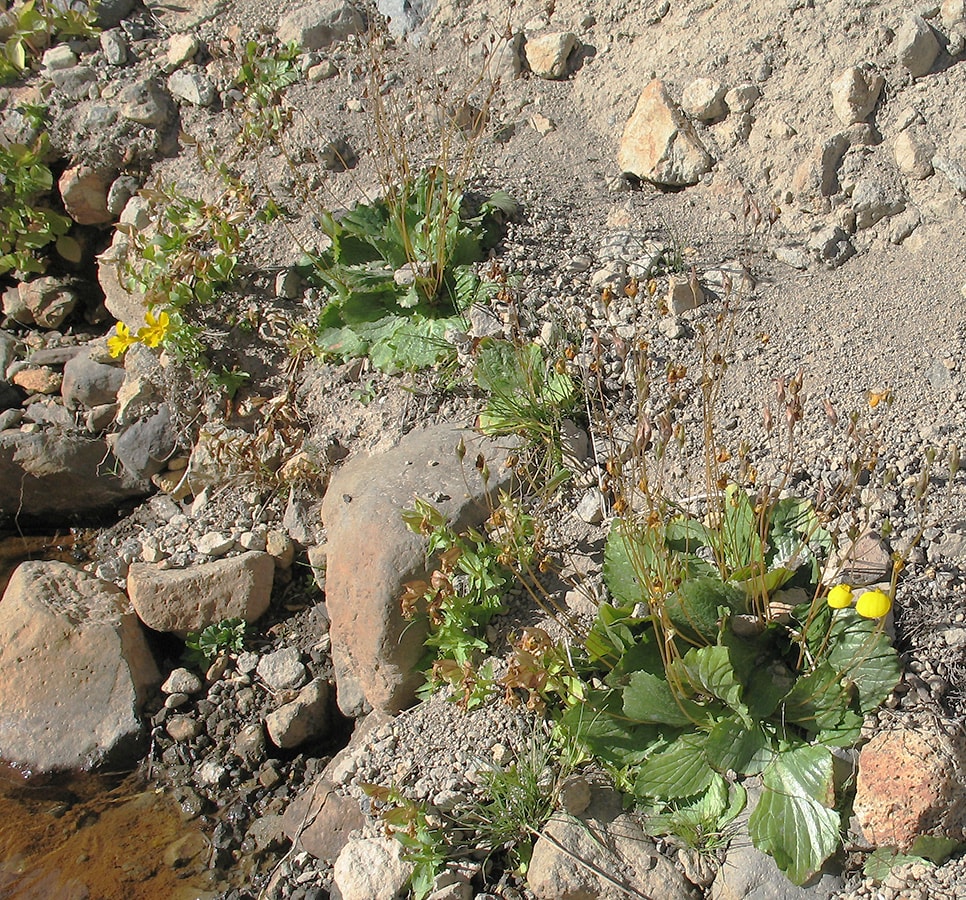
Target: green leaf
[
  {"x": 648, "y": 698},
  {"x": 707, "y": 672},
  {"x": 680, "y": 771},
  {"x": 740, "y": 540},
  {"x": 733, "y": 746},
  {"x": 935, "y": 848},
  {"x": 693, "y": 608},
  {"x": 880, "y": 863},
  {"x": 817, "y": 701},
  {"x": 69, "y": 249},
  {"x": 620, "y": 570},
  {"x": 861, "y": 651},
  {"x": 794, "y": 821},
  {"x": 600, "y": 727}
]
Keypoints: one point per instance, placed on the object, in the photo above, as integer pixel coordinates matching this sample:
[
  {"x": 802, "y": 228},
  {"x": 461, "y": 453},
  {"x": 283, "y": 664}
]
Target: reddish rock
[
  {"x": 374, "y": 649},
  {"x": 322, "y": 820},
  {"x": 38, "y": 381},
  {"x": 910, "y": 783}
]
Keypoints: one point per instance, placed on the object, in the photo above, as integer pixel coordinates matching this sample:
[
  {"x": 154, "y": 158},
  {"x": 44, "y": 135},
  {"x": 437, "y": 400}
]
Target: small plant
[
  {"x": 263, "y": 76},
  {"x": 704, "y": 824},
  {"x": 406, "y": 821},
  {"x": 205, "y": 646},
  {"x": 31, "y": 27},
  {"x": 399, "y": 274},
  {"x": 466, "y": 589},
  {"x": 528, "y": 396},
  {"x": 519, "y": 799},
  {"x": 28, "y": 223}
]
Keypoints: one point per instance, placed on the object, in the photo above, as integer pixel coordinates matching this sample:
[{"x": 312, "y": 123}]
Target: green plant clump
[
  {"x": 29, "y": 28},
  {"x": 720, "y": 658},
  {"x": 399, "y": 272},
  {"x": 226, "y": 636},
  {"x": 28, "y": 224}
]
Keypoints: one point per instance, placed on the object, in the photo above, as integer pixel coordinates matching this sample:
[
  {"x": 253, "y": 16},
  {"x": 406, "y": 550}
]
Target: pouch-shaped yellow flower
[
  {"x": 840, "y": 596},
  {"x": 873, "y": 604}
]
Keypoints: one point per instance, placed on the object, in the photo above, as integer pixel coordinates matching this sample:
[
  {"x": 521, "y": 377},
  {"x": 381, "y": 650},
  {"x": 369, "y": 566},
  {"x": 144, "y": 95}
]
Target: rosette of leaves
[
  {"x": 704, "y": 677},
  {"x": 400, "y": 271}
]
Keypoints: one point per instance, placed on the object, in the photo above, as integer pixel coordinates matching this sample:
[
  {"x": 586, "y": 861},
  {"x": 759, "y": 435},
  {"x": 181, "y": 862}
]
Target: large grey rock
[
  {"x": 317, "y": 25},
  {"x": 145, "y": 446},
  {"x": 183, "y": 600},
  {"x": 659, "y": 143},
  {"x": 916, "y": 46},
  {"x": 74, "y": 671},
  {"x": 374, "y": 649},
  {"x": 573, "y": 855},
  {"x": 60, "y": 474},
  {"x": 90, "y": 383}
]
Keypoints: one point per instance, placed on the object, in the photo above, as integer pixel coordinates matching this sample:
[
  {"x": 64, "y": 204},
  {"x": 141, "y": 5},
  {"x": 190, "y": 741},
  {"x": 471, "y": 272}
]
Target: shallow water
[{"x": 88, "y": 837}]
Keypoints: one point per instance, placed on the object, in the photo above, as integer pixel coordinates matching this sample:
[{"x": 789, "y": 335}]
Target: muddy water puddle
[{"x": 97, "y": 838}]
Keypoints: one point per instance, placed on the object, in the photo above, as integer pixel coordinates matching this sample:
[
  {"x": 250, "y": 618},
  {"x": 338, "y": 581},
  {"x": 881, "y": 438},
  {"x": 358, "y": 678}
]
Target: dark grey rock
[
  {"x": 89, "y": 383},
  {"x": 145, "y": 446}
]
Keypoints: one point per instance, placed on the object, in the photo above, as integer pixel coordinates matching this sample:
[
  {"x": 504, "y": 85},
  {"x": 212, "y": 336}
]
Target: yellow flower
[
  {"x": 155, "y": 331},
  {"x": 873, "y": 604},
  {"x": 121, "y": 340},
  {"x": 840, "y": 596}
]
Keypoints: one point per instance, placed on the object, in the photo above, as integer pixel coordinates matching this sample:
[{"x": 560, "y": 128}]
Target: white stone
[
  {"x": 181, "y": 49},
  {"x": 916, "y": 46},
  {"x": 548, "y": 55},
  {"x": 371, "y": 869},
  {"x": 742, "y": 97},
  {"x": 214, "y": 543},
  {"x": 191, "y": 87},
  {"x": 58, "y": 58},
  {"x": 704, "y": 99},
  {"x": 855, "y": 93},
  {"x": 914, "y": 154}
]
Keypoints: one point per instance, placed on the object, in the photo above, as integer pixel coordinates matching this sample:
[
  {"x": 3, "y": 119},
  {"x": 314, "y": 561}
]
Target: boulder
[
  {"x": 75, "y": 670},
  {"x": 90, "y": 383},
  {"x": 603, "y": 854},
  {"x": 183, "y": 600},
  {"x": 59, "y": 474},
  {"x": 145, "y": 446},
  {"x": 916, "y": 46},
  {"x": 549, "y": 55},
  {"x": 317, "y": 25},
  {"x": 374, "y": 649},
  {"x": 50, "y": 300},
  {"x": 855, "y": 93},
  {"x": 910, "y": 782},
  {"x": 660, "y": 144}
]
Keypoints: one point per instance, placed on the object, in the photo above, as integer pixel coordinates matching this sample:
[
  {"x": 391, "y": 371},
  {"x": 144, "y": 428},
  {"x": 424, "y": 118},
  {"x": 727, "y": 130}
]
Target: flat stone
[
  {"x": 192, "y": 87},
  {"x": 181, "y": 49},
  {"x": 144, "y": 447},
  {"x": 75, "y": 670},
  {"x": 320, "y": 820},
  {"x": 183, "y": 600},
  {"x": 214, "y": 543},
  {"x": 683, "y": 294},
  {"x": 660, "y": 144},
  {"x": 40, "y": 380},
  {"x": 572, "y": 850},
  {"x": 742, "y": 97}
]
